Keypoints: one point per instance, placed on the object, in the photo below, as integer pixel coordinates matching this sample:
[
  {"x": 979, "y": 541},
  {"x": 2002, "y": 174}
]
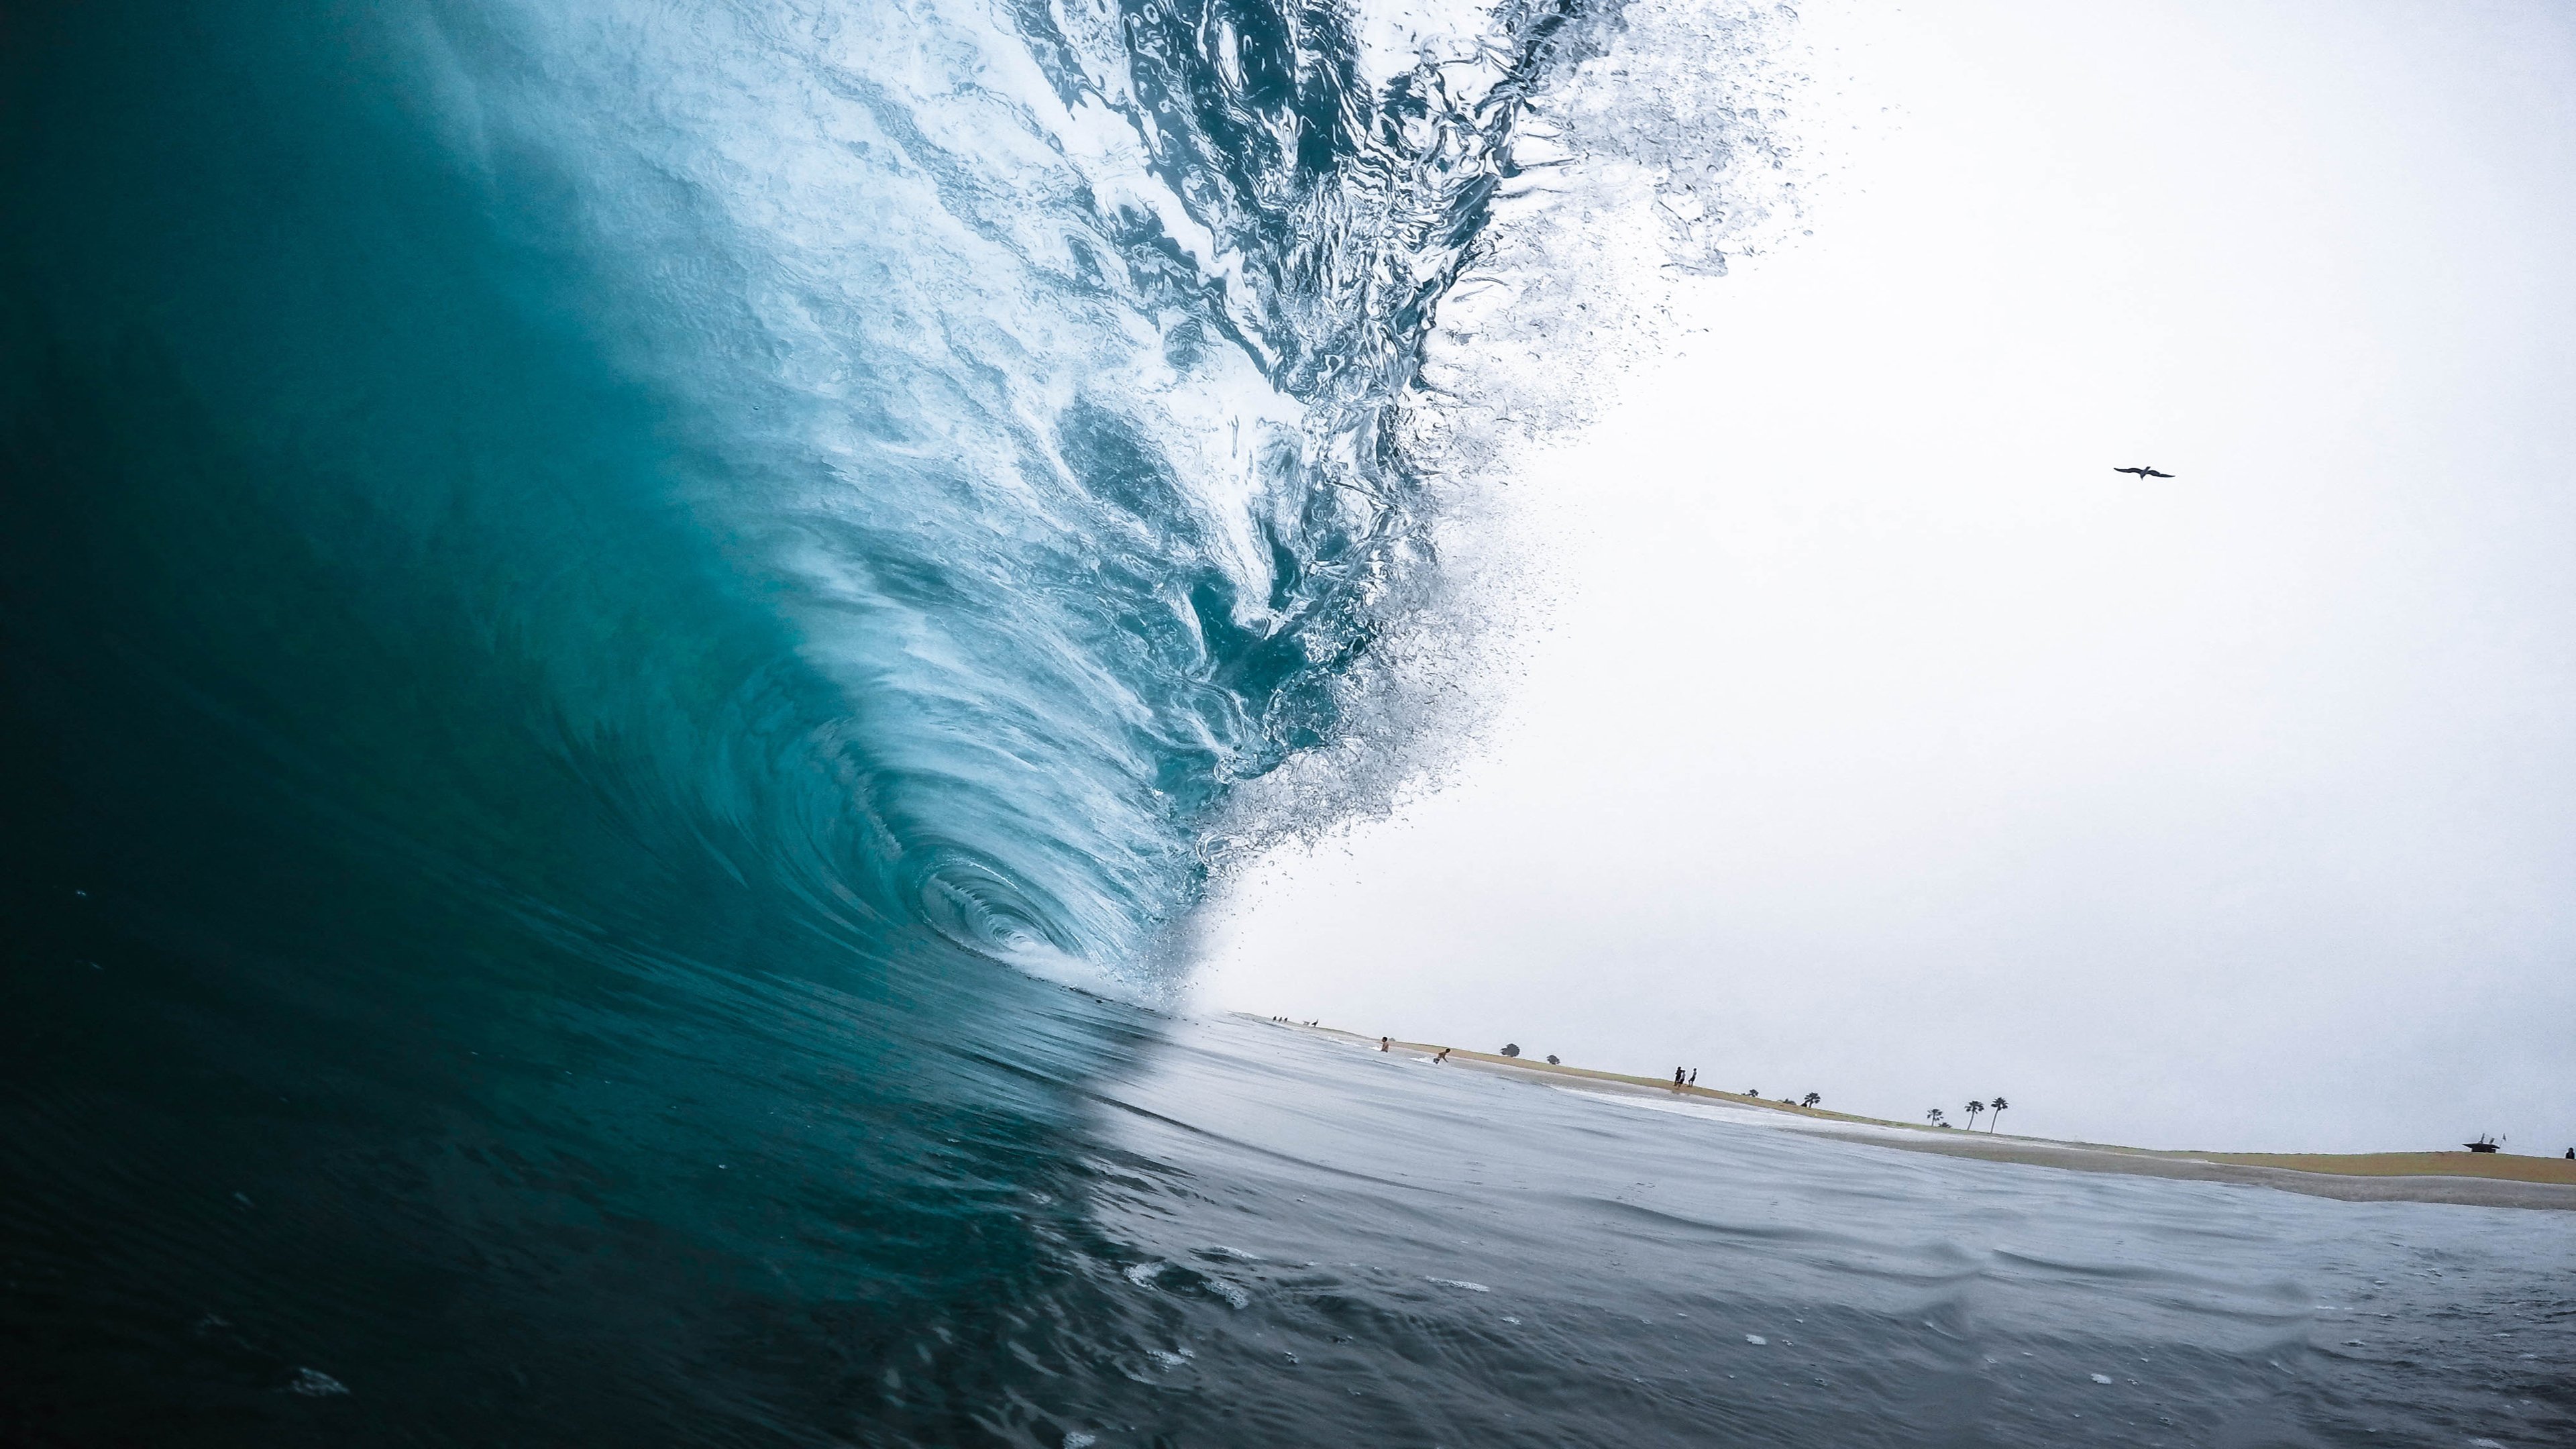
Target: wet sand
[{"x": 2473, "y": 1179}]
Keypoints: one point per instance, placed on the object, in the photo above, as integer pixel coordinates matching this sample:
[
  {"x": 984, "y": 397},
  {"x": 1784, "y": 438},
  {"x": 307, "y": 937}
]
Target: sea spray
[{"x": 1656, "y": 141}]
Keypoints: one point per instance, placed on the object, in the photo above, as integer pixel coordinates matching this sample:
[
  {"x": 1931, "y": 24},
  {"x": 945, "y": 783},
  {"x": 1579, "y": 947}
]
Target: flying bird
[{"x": 2143, "y": 472}]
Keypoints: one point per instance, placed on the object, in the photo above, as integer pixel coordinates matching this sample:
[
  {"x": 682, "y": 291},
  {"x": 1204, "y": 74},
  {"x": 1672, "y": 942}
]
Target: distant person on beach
[
  {"x": 1677, "y": 1079},
  {"x": 1694, "y": 1081},
  {"x": 1385, "y": 1042},
  {"x": 1444, "y": 1055}
]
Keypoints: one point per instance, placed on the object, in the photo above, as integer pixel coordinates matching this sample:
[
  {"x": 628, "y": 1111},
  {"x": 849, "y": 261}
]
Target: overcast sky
[{"x": 1887, "y": 745}]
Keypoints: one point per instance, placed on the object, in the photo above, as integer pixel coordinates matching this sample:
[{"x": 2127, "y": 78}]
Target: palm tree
[
  {"x": 1973, "y": 1109},
  {"x": 1812, "y": 1099},
  {"x": 1997, "y": 1106},
  {"x": 1934, "y": 1117}
]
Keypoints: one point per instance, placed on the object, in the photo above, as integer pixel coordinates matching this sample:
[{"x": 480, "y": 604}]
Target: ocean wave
[
  {"x": 926, "y": 458},
  {"x": 598, "y": 598},
  {"x": 1049, "y": 366}
]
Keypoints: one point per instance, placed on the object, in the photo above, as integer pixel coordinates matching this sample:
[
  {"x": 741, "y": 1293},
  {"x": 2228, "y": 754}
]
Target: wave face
[
  {"x": 922, "y": 456},
  {"x": 582, "y": 582}
]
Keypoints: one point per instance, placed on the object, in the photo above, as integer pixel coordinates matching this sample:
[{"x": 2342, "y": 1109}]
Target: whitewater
[{"x": 628, "y": 634}]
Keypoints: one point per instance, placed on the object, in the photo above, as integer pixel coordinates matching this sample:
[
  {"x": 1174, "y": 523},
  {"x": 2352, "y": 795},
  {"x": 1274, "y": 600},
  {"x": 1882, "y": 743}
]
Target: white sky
[{"x": 1887, "y": 745}]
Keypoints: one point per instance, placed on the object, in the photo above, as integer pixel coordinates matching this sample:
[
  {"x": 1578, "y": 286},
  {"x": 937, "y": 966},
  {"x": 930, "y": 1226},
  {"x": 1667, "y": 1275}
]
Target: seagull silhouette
[{"x": 2143, "y": 472}]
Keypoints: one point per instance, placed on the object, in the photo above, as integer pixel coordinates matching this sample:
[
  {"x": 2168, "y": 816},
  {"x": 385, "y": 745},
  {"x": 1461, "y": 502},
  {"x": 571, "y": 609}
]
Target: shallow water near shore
[
  {"x": 1424, "y": 1254},
  {"x": 1216, "y": 1232}
]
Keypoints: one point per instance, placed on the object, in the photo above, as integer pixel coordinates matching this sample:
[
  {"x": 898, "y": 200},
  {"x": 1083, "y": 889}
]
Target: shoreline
[{"x": 2469, "y": 1179}]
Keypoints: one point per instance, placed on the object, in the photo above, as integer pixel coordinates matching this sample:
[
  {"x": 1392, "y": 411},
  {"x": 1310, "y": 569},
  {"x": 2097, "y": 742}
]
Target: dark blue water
[{"x": 623, "y": 633}]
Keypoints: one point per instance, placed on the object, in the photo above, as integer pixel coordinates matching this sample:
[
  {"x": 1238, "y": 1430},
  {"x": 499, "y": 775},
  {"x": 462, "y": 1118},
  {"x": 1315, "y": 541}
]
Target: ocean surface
[{"x": 627, "y": 636}]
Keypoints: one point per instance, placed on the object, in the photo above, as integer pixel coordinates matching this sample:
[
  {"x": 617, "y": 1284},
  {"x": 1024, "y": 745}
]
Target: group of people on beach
[
  {"x": 1684, "y": 1078},
  {"x": 1687, "y": 1078}
]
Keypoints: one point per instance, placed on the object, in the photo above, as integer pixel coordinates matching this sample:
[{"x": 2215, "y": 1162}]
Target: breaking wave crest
[
  {"x": 1043, "y": 385},
  {"x": 1076, "y": 344}
]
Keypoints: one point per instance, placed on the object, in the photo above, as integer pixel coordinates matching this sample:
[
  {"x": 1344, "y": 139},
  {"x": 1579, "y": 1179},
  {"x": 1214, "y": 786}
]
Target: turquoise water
[{"x": 623, "y": 633}]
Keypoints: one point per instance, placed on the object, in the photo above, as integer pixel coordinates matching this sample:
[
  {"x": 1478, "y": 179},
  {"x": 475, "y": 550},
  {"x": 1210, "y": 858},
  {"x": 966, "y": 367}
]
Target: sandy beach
[{"x": 2475, "y": 1179}]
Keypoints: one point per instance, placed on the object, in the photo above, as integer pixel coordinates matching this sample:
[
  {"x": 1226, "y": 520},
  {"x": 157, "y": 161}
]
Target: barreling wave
[
  {"x": 1028, "y": 377},
  {"x": 1049, "y": 363},
  {"x": 925, "y": 457},
  {"x": 573, "y": 575}
]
